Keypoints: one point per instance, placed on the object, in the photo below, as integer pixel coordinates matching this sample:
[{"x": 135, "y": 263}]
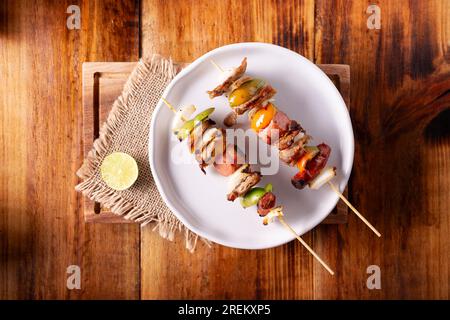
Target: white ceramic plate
[{"x": 305, "y": 93}]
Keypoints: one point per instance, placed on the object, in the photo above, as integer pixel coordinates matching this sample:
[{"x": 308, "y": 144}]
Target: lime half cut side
[{"x": 119, "y": 170}]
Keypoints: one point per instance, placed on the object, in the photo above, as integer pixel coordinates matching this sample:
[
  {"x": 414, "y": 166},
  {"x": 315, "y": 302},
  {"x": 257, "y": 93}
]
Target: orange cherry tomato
[
  {"x": 301, "y": 164},
  {"x": 311, "y": 152},
  {"x": 262, "y": 117}
]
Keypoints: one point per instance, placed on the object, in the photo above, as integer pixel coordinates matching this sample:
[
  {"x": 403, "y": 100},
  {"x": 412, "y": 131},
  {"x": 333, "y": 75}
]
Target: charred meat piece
[
  {"x": 211, "y": 148},
  {"x": 212, "y": 144},
  {"x": 202, "y": 142},
  {"x": 207, "y": 136},
  {"x": 226, "y": 84},
  {"x": 231, "y": 119},
  {"x": 199, "y": 138},
  {"x": 264, "y": 94},
  {"x": 266, "y": 203},
  {"x": 245, "y": 180},
  {"x": 196, "y": 136},
  {"x": 284, "y": 124},
  {"x": 294, "y": 152},
  {"x": 239, "y": 82},
  {"x": 289, "y": 138},
  {"x": 313, "y": 167}
]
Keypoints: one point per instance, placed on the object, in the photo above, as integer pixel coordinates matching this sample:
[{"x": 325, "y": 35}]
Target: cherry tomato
[
  {"x": 262, "y": 117},
  {"x": 245, "y": 92},
  {"x": 311, "y": 152}
]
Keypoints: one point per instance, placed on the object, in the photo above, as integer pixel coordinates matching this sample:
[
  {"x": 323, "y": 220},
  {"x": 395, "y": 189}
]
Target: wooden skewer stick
[
  {"x": 283, "y": 222},
  {"x": 315, "y": 255},
  {"x": 172, "y": 108},
  {"x": 217, "y": 66},
  {"x": 335, "y": 189}
]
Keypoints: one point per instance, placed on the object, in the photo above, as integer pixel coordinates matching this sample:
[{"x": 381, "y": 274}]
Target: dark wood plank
[
  {"x": 42, "y": 229},
  {"x": 400, "y": 83},
  {"x": 196, "y": 27},
  {"x": 400, "y": 182}
]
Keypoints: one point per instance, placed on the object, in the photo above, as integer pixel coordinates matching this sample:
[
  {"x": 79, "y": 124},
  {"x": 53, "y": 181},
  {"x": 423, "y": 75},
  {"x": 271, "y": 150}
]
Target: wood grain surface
[
  {"x": 401, "y": 181},
  {"x": 401, "y": 178},
  {"x": 197, "y": 27},
  {"x": 42, "y": 228}
]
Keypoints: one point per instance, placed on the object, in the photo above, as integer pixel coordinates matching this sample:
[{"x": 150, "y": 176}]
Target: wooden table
[{"x": 401, "y": 180}]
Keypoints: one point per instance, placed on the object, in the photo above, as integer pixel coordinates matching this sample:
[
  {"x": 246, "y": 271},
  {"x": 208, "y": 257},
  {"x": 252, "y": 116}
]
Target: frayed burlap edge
[{"x": 166, "y": 224}]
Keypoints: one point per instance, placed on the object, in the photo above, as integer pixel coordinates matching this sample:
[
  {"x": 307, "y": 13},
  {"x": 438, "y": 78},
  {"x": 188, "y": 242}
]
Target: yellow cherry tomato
[
  {"x": 262, "y": 117},
  {"x": 245, "y": 92}
]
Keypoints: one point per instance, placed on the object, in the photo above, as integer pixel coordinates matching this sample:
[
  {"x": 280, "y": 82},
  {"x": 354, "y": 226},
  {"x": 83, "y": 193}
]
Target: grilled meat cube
[
  {"x": 239, "y": 82},
  {"x": 289, "y": 138},
  {"x": 231, "y": 119},
  {"x": 291, "y": 154},
  {"x": 227, "y": 83},
  {"x": 245, "y": 180},
  {"x": 196, "y": 136}
]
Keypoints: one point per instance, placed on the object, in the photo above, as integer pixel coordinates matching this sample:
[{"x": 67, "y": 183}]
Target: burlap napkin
[{"x": 126, "y": 130}]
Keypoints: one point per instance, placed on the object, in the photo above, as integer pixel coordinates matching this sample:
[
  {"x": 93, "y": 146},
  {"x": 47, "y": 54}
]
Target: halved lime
[{"x": 119, "y": 170}]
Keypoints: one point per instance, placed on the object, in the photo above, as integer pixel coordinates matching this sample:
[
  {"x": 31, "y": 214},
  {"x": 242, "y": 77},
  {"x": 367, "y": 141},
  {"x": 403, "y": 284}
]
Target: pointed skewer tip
[
  {"x": 216, "y": 65},
  {"x": 355, "y": 211},
  {"x": 315, "y": 255}
]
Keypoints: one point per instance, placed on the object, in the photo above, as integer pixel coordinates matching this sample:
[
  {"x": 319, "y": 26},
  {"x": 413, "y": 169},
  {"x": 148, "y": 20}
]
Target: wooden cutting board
[{"x": 102, "y": 84}]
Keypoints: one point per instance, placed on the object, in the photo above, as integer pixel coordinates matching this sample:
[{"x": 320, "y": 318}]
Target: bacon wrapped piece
[
  {"x": 229, "y": 161},
  {"x": 312, "y": 168},
  {"x": 242, "y": 181},
  {"x": 278, "y": 127}
]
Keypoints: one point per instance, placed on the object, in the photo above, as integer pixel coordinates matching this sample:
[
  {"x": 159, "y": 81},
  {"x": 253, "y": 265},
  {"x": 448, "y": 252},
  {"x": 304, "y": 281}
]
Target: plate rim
[{"x": 183, "y": 73}]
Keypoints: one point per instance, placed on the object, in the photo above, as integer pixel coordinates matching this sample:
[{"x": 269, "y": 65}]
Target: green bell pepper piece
[{"x": 252, "y": 197}]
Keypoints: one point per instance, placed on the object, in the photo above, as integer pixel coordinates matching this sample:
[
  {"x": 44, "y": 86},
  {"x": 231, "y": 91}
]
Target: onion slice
[
  {"x": 273, "y": 213},
  {"x": 236, "y": 177},
  {"x": 181, "y": 116},
  {"x": 324, "y": 176}
]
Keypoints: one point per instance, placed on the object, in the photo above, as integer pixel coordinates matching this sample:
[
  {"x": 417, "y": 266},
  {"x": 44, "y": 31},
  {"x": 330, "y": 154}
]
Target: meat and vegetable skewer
[
  {"x": 207, "y": 142},
  {"x": 247, "y": 94}
]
